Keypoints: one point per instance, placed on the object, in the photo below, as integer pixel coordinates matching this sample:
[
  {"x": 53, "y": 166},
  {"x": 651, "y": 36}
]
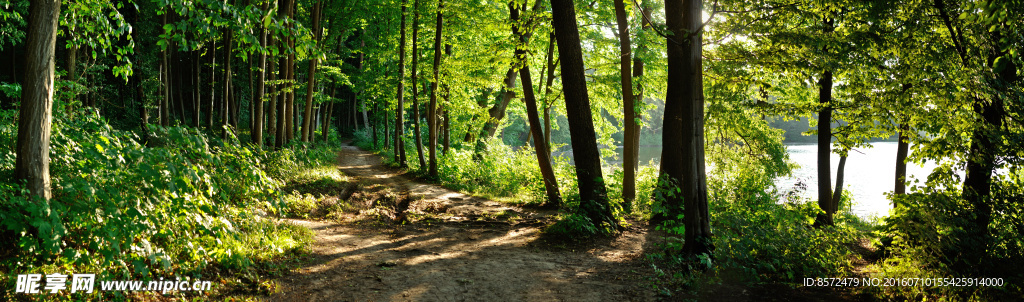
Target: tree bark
[
  {"x": 307, "y": 132},
  {"x": 289, "y": 107},
  {"x": 226, "y": 101},
  {"x": 825, "y": 149},
  {"x": 213, "y": 86},
  {"x": 837, "y": 196},
  {"x": 683, "y": 163},
  {"x": 415, "y": 94},
  {"x": 257, "y": 119},
  {"x": 32, "y": 161},
  {"x": 540, "y": 148},
  {"x": 629, "y": 161},
  {"x": 271, "y": 110},
  {"x": 432, "y": 107},
  {"x": 593, "y": 197},
  {"x": 902, "y": 149},
  {"x": 399, "y": 147},
  {"x": 447, "y": 100},
  {"x": 548, "y": 100}
]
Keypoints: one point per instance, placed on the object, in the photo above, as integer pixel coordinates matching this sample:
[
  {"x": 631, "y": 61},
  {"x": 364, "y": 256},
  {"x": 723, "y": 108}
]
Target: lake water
[{"x": 870, "y": 173}]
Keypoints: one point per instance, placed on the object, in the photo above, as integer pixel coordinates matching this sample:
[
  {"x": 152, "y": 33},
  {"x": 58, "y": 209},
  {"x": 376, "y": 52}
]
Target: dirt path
[{"x": 447, "y": 246}]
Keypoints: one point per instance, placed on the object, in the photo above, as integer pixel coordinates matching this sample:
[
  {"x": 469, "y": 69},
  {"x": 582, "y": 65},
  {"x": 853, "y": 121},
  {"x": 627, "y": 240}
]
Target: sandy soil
[{"x": 428, "y": 243}]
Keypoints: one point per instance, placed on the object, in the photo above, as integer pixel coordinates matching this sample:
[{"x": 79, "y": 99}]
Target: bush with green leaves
[
  {"x": 127, "y": 211},
  {"x": 932, "y": 232}
]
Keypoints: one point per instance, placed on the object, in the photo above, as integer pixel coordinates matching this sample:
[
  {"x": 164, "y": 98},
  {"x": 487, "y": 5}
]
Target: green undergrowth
[
  {"x": 186, "y": 206},
  {"x": 932, "y": 234}
]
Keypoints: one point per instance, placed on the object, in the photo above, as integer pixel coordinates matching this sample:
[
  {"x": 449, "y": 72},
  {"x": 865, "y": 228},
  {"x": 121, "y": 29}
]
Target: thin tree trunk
[
  {"x": 448, "y": 101},
  {"x": 282, "y": 73},
  {"x": 271, "y": 110},
  {"x": 289, "y": 107},
  {"x": 838, "y": 194},
  {"x": 32, "y": 159},
  {"x": 307, "y": 132},
  {"x": 140, "y": 98},
  {"x": 213, "y": 89},
  {"x": 226, "y": 101},
  {"x": 593, "y": 197},
  {"x": 548, "y": 100},
  {"x": 72, "y": 69},
  {"x": 902, "y": 149},
  {"x": 165, "y": 111},
  {"x": 684, "y": 125},
  {"x": 399, "y": 148},
  {"x": 257, "y": 101},
  {"x": 196, "y": 87},
  {"x": 629, "y": 161},
  {"x": 415, "y": 94},
  {"x": 540, "y": 148},
  {"x": 432, "y": 107}
]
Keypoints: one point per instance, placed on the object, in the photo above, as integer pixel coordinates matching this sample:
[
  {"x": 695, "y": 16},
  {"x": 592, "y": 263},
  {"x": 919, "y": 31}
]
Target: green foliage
[
  {"x": 127, "y": 211},
  {"x": 575, "y": 225},
  {"x": 931, "y": 233}
]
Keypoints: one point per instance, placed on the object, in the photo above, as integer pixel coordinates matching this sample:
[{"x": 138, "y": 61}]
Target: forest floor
[{"x": 403, "y": 239}]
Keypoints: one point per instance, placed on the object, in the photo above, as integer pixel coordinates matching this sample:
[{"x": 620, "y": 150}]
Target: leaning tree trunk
[
  {"x": 593, "y": 197},
  {"x": 838, "y": 194},
  {"x": 540, "y": 147},
  {"x": 32, "y": 161},
  {"x": 683, "y": 154}
]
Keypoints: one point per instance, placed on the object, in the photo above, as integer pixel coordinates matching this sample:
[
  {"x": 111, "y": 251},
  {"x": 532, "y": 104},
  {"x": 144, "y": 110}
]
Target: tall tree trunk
[
  {"x": 196, "y": 88},
  {"x": 593, "y": 197},
  {"x": 432, "y": 107},
  {"x": 289, "y": 107},
  {"x": 167, "y": 80},
  {"x": 213, "y": 90},
  {"x": 226, "y": 101},
  {"x": 448, "y": 101},
  {"x": 683, "y": 163},
  {"x": 271, "y": 110},
  {"x": 307, "y": 132},
  {"x": 373, "y": 127},
  {"x": 136, "y": 79},
  {"x": 629, "y": 161},
  {"x": 548, "y": 99},
  {"x": 825, "y": 149},
  {"x": 32, "y": 161},
  {"x": 540, "y": 148},
  {"x": 258, "y": 115},
  {"x": 415, "y": 74},
  {"x": 902, "y": 149},
  {"x": 399, "y": 147},
  {"x": 72, "y": 69}
]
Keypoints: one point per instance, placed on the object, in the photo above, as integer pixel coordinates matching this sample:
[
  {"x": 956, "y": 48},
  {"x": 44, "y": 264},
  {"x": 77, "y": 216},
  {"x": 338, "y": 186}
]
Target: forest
[{"x": 511, "y": 150}]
